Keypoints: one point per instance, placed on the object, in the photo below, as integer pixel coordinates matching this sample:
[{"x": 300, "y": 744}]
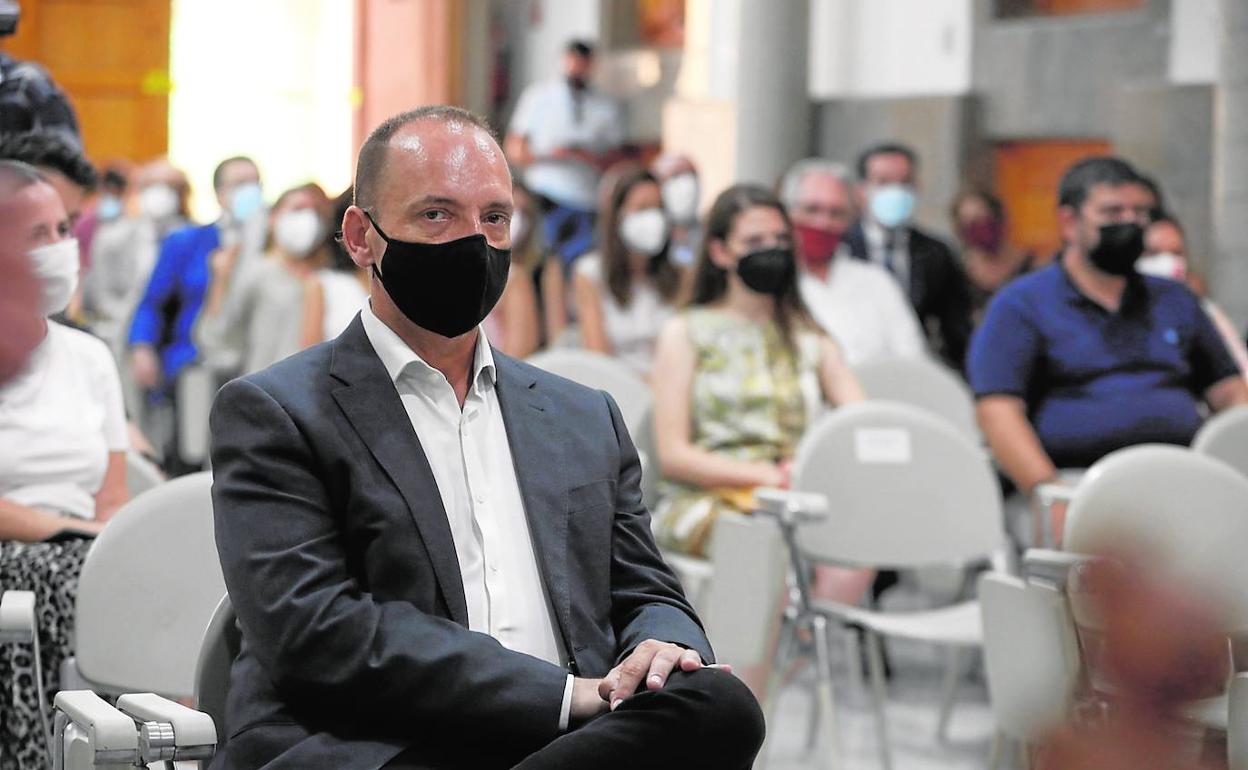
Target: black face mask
[
  {"x": 447, "y": 288},
  {"x": 1120, "y": 246},
  {"x": 769, "y": 271}
]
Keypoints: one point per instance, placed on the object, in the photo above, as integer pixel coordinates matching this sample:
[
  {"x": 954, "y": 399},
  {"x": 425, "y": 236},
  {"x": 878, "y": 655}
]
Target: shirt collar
[
  {"x": 875, "y": 234},
  {"x": 1134, "y": 294},
  {"x": 397, "y": 357}
]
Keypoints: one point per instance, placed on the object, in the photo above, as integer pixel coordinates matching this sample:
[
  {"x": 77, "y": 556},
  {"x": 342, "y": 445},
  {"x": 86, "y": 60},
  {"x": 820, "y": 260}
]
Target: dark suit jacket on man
[
  {"x": 938, "y": 289},
  {"x": 339, "y": 560}
]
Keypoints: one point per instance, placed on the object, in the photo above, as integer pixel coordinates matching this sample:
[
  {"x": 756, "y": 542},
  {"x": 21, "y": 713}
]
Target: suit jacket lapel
[
  {"x": 373, "y": 407},
  {"x": 538, "y": 463}
]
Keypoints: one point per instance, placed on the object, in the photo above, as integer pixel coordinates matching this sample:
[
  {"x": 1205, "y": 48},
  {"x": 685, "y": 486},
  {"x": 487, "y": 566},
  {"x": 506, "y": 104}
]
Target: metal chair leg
[
  {"x": 823, "y": 694},
  {"x": 853, "y": 664},
  {"x": 875, "y": 658},
  {"x": 953, "y": 673}
]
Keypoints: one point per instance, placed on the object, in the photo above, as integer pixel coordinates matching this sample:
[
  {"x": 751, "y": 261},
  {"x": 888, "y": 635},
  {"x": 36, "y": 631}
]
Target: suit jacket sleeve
[
  {"x": 646, "y": 599},
  {"x": 328, "y": 645}
]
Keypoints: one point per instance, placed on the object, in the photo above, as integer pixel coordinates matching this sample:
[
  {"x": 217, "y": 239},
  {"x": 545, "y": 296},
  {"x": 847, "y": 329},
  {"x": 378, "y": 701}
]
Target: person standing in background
[
  {"x": 924, "y": 266},
  {"x": 562, "y": 135},
  {"x": 988, "y": 258}
]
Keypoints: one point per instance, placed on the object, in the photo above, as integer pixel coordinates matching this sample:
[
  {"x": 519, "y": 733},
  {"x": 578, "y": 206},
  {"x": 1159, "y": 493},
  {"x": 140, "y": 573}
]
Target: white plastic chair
[
  {"x": 904, "y": 488},
  {"x": 196, "y": 387},
  {"x": 148, "y": 587},
  {"x": 141, "y": 474},
  {"x": 142, "y": 730},
  {"x": 1225, "y": 436},
  {"x": 924, "y": 383},
  {"x": 1031, "y": 656},
  {"x": 1188, "y": 514},
  {"x": 220, "y": 645}
]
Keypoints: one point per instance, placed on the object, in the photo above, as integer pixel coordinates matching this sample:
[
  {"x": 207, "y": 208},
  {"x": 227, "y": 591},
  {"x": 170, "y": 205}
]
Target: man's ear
[{"x": 355, "y": 228}]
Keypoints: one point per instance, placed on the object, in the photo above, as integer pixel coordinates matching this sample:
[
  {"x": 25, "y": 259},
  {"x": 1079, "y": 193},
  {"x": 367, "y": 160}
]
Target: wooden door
[
  {"x": 1026, "y": 176},
  {"x": 111, "y": 57}
]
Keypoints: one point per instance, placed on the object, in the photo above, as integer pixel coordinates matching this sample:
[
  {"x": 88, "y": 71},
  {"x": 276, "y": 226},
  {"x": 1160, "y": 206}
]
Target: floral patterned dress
[{"x": 753, "y": 397}]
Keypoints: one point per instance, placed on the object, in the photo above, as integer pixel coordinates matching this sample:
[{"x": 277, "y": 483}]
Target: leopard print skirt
[{"x": 50, "y": 570}]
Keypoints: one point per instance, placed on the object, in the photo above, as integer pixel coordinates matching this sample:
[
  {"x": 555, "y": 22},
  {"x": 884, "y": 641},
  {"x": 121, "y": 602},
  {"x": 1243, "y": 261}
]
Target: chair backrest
[
  {"x": 594, "y": 370},
  {"x": 905, "y": 488},
  {"x": 220, "y": 645},
  {"x": 924, "y": 383},
  {"x": 148, "y": 587},
  {"x": 196, "y": 387},
  {"x": 1185, "y": 512},
  {"x": 1225, "y": 436},
  {"x": 742, "y": 605},
  {"x": 1031, "y": 654},
  {"x": 141, "y": 474}
]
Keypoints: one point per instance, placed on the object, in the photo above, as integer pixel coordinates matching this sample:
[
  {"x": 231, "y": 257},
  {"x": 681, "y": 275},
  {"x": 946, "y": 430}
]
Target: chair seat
[{"x": 956, "y": 624}]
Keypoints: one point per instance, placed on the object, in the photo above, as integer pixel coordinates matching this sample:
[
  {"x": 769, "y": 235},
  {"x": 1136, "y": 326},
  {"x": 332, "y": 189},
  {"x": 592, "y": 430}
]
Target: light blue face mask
[
  {"x": 892, "y": 204},
  {"x": 109, "y": 208},
  {"x": 245, "y": 201}
]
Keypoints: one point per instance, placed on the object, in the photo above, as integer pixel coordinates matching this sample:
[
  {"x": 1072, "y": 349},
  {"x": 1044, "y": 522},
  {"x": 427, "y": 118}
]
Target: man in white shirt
[
  {"x": 856, "y": 302},
  {"x": 438, "y": 555},
  {"x": 563, "y": 134}
]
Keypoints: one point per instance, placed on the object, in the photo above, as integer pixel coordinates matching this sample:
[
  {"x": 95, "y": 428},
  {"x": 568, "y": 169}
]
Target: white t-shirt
[
  {"x": 343, "y": 298},
  {"x": 634, "y": 328},
  {"x": 546, "y": 115},
  {"x": 59, "y": 419},
  {"x": 864, "y": 310}
]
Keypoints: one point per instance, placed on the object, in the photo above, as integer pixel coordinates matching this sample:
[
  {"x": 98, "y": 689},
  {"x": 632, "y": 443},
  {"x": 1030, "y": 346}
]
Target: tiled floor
[{"x": 913, "y": 707}]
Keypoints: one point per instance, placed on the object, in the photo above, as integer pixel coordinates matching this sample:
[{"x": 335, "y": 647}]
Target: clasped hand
[{"x": 652, "y": 661}]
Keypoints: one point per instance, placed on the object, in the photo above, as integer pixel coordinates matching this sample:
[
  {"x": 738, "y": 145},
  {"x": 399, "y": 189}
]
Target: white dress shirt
[
  {"x": 895, "y": 260},
  {"x": 864, "y": 310},
  {"x": 471, "y": 461}
]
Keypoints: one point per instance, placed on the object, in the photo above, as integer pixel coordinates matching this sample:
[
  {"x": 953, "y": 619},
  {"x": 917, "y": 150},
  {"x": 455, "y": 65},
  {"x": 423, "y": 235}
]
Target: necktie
[{"x": 890, "y": 251}]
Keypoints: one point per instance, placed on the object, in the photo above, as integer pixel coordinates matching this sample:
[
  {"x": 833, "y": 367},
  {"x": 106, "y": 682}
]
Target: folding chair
[{"x": 921, "y": 382}]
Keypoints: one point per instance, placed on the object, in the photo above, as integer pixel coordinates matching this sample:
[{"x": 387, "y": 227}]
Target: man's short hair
[
  {"x": 372, "y": 157},
  {"x": 886, "y": 148},
  {"x": 1080, "y": 178},
  {"x": 791, "y": 182},
  {"x": 16, "y": 175},
  {"x": 218, "y": 173},
  {"x": 582, "y": 48},
  {"x": 43, "y": 149}
]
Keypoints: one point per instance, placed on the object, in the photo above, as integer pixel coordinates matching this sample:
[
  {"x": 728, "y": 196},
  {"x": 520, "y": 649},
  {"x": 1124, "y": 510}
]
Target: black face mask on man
[
  {"x": 768, "y": 271},
  {"x": 1120, "y": 246},
  {"x": 447, "y": 288}
]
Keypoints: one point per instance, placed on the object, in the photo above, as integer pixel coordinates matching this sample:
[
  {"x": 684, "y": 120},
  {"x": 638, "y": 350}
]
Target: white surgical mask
[
  {"x": 892, "y": 205},
  {"x": 645, "y": 231},
  {"x": 158, "y": 201},
  {"x": 680, "y": 196},
  {"x": 519, "y": 227},
  {"x": 1163, "y": 265},
  {"x": 298, "y": 232},
  {"x": 56, "y": 266},
  {"x": 109, "y": 208}
]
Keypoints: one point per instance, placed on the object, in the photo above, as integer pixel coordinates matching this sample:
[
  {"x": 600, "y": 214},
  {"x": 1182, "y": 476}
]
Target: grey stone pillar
[
  {"x": 773, "y": 115},
  {"x": 1230, "y": 158}
]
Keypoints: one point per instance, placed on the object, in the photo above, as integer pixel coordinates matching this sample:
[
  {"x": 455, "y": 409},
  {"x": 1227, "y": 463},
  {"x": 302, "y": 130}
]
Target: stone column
[
  {"x": 1229, "y": 273},
  {"x": 773, "y": 114}
]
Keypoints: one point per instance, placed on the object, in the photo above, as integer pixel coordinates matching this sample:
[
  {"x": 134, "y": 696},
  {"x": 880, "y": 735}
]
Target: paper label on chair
[{"x": 882, "y": 446}]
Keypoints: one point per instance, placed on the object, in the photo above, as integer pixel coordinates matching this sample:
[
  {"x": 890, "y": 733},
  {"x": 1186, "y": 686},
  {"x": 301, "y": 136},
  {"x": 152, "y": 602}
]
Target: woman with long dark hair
[
  {"x": 627, "y": 289},
  {"x": 740, "y": 374}
]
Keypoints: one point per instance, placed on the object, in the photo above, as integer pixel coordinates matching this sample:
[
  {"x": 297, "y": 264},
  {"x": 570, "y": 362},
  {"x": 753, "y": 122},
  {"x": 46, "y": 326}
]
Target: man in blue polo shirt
[{"x": 1086, "y": 356}]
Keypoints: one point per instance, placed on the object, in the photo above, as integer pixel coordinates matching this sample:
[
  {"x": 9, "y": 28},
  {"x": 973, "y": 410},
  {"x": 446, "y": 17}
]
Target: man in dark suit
[
  {"x": 438, "y": 555},
  {"x": 926, "y": 268}
]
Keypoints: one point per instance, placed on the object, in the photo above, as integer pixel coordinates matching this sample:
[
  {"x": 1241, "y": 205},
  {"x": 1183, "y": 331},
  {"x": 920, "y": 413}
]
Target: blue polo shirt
[{"x": 1093, "y": 380}]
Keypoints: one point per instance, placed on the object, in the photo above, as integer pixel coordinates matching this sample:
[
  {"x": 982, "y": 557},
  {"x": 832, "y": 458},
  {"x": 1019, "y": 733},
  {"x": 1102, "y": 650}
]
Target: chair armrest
[
  {"x": 194, "y": 735},
  {"x": 1051, "y": 566},
  {"x": 1049, "y": 494},
  {"x": 110, "y": 732},
  {"x": 17, "y": 616},
  {"x": 790, "y": 507}
]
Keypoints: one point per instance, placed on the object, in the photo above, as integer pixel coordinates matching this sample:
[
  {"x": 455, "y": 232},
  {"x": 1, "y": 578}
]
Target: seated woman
[
  {"x": 62, "y": 456},
  {"x": 275, "y": 306},
  {"x": 738, "y": 376},
  {"x": 628, "y": 288}
]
